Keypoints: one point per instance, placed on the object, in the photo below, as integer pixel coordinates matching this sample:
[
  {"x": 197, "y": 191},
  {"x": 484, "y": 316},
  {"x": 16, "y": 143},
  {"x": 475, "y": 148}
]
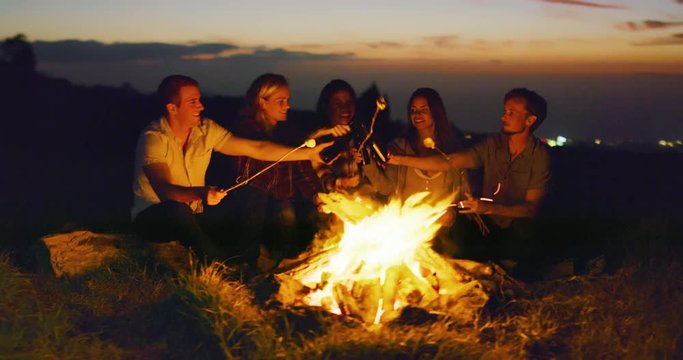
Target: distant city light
[
  {"x": 667, "y": 143},
  {"x": 558, "y": 141},
  {"x": 561, "y": 141}
]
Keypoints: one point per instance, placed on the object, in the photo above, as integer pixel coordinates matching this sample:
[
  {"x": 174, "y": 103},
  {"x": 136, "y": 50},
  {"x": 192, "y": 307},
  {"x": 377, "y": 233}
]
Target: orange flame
[{"x": 375, "y": 240}]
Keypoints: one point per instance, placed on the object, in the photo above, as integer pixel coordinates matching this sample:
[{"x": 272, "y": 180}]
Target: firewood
[{"x": 368, "y": 293}]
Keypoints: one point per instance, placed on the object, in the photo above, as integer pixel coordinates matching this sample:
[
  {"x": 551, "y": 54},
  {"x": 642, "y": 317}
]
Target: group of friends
[{"x": 495, "y": 222}]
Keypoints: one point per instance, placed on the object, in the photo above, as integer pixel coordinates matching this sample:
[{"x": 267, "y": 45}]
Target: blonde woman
[{"x": 277, "y": 204}]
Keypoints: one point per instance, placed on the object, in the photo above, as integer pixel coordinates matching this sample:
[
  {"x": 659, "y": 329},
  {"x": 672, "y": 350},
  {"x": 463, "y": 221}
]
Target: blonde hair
[{"x": 261, "y": 88}]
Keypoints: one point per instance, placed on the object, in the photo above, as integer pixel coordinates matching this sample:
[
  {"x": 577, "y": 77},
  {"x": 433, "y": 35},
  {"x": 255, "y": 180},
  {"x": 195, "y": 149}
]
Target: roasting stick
[
  {"x": 429, "y": 143},
  {"x": 380, "y": 105},
  {"x": 310, "y": 143}
]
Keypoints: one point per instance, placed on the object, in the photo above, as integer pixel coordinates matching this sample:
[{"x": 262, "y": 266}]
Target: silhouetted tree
[{"x": 17, "y": 53}]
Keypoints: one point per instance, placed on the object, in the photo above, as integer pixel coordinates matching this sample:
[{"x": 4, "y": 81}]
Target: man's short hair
[
  {"x": 535, "y": 104},
  {"x": 169, "y": 89}
]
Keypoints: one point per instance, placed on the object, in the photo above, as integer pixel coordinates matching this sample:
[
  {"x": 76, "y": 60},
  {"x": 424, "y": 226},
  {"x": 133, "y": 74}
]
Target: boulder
[{"x": 77, "y": 252}]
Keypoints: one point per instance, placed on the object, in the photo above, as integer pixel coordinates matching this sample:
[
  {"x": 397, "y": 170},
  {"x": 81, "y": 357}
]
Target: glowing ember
[{"x": 382, "y": 262}]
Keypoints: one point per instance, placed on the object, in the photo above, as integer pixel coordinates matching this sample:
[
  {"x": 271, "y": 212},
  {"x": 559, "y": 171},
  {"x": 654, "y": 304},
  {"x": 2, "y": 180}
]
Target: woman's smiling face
[
  {"x": 276, "y": 106},
  {"x": 420, "y": 113}
]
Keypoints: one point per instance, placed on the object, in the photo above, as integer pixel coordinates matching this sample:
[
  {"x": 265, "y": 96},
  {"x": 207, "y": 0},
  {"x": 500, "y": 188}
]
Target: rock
[
  {"x": 79, "y": 251},
  {"x": 172, "y": 254},
  {"x": 76, "y": 252}
]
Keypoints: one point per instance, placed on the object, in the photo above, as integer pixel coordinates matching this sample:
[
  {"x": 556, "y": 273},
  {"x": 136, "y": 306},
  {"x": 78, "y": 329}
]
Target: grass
[
  {"x": 137, "y": 310},
  {"x": 632, "y": 314},
  {"x": 226, "y": 309},
  {"x": 35, "y": 326}
]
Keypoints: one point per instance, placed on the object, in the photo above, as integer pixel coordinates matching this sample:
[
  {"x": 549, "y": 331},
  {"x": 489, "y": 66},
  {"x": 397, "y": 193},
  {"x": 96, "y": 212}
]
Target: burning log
[
  {"x": 365, "y": 295},
  {"x": 444, "y": 288},
  {"x": 384, "y": 263}
]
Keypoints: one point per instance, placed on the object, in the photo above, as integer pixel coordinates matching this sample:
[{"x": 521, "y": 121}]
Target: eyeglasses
[{"x": 423, "y": 111}]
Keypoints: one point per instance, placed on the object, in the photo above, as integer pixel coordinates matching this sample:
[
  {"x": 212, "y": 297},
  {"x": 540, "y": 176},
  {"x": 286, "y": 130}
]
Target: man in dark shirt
[{"x": 516, "y": 175}]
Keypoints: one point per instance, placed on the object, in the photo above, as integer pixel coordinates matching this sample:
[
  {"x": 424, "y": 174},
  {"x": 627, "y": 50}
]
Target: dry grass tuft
[
  {"x": 225, "y": 308},
  {"x": 430, "y": 341}
]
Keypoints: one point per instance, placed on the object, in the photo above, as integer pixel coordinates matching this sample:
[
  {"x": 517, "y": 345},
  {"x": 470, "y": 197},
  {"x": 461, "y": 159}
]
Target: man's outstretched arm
[{"x": 159, "y": 177}]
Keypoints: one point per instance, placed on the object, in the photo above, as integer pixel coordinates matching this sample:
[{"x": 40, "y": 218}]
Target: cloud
[
  {"x": 76, "y": 51},
  {"x": 385, "y": 44},
  {"x": 445, "y": 41},
  {"x": 219, "y": 55},
  {"x": 481, "y": 44},
  {"x": 675, "y": 39},
  {"x": 79, "y": 51},
  {"x": 586, "y": 3},
  {"x": 282, "y": 54},
  {"x": 309, "y": 46},
  {"x": 648, "y": 25},
  {"x": 543, "y": 43},
  {"x": 461, "y": 43}
]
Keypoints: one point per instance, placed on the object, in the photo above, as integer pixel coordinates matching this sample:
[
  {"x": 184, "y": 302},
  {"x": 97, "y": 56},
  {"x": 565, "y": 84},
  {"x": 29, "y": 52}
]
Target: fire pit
[{"x": 380, "y": 261}]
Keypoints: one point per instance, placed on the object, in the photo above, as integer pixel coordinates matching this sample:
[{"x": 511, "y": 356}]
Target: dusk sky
[{"x": 610, "y": 69}]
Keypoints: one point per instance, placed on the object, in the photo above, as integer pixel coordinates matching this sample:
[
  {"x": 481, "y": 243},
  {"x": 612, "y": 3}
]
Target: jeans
[{"x": 171, "y": 220}]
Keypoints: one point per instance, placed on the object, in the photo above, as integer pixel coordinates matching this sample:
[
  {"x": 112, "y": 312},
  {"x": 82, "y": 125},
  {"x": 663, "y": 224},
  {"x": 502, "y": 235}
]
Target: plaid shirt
[{"x": 284, "y": 179}]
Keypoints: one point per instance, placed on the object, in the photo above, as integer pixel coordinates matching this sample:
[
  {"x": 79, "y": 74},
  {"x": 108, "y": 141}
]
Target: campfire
[{"x": 380, "y": 261}]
